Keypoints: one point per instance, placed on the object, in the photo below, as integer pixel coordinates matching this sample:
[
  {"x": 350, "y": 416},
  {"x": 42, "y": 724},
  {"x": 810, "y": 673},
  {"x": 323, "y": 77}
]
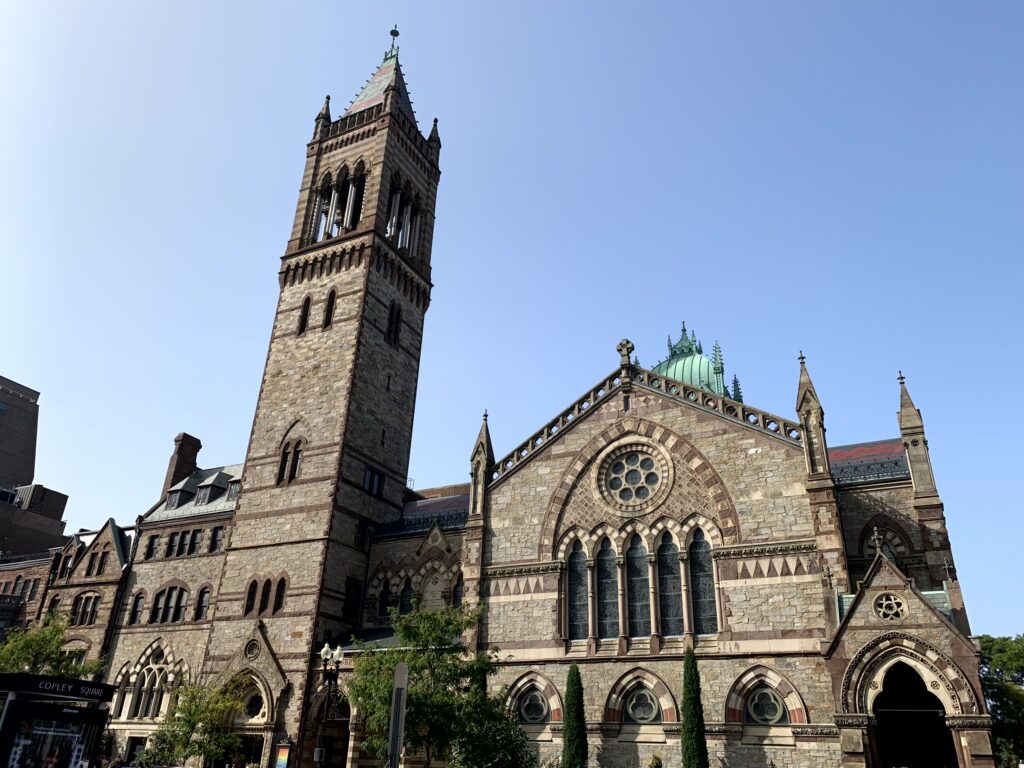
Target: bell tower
[{"x": 329, "y": 450}]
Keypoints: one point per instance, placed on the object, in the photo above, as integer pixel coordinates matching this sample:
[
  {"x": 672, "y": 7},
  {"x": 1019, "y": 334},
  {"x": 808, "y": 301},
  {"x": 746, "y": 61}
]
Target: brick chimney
[{"x": 183, "y": 460}]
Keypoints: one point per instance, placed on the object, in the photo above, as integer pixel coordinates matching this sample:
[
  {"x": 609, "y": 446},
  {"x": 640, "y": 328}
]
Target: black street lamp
[{"x": 331, "y": 661}]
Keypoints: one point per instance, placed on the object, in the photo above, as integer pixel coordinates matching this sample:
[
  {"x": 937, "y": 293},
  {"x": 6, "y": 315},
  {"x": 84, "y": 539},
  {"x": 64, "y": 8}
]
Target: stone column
[
  {"x": 592, "y": 608},
  {"x": 719, "y": 611},
  {"x": 652, "y": 583},
  {"x": 684, "y": 574},
  {"x": 396, "y": 202},
  {"x": 855, "y": 740},
  {"x": 973, "y": 739},
  {"x": 329, "y": 224},
  {"x": 350, "y": 202},
  {"x": 620, "y": 567},
  {"x": 403, "y": 240}
]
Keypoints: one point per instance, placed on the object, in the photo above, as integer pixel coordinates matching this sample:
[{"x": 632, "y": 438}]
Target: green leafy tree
[
  {"x": 37, "y": 650},
  {"x": 1002, "y": 678},
  {"x": 695, "y": 745},
  {"x": 491, "y": 738},
  {"x": 446, "y": 681},
  {"x": 198, "y": 726},
  {"x": 574, "y": 735}
]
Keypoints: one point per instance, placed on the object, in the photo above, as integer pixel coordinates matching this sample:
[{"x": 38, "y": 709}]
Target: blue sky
[{"x": 841, "y": 178}]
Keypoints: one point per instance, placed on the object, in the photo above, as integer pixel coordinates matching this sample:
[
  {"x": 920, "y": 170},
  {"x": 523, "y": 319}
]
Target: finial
[
  {"x": 901, "y": 378},
  {"x": 947, "y": 567},
  {"x": 485, "y": 414},
  {"x": 802, "y": 359},
  {"x": 394, "y": 41},
  {"x": 876, "y": 539},
  {"x": 625, "y": 349}
]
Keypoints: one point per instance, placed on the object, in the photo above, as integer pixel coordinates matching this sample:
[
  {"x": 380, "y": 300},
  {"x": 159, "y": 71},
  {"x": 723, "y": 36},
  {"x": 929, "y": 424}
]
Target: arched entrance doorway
[
  {"x": 336, "y": 734},
  {"x": 911, "y": 729}
]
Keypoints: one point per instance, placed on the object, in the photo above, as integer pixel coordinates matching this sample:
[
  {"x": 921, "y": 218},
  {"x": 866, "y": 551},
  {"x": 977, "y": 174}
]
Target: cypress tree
[
  {"x": 574, "y": 735},
  {"x": 695, "y": 745}
]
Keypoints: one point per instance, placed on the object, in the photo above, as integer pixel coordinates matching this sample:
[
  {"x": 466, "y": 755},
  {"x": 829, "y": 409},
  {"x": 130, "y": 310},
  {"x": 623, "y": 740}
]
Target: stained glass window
[
  {"x": 702, "y": 586},
  {"x": 576, "y": 593},
  {"x": 638, "y": 588},
  {"x": 670, "y": 593},
  {"x": 405, "y": 598},
  {"x": 607, "y": 592}
]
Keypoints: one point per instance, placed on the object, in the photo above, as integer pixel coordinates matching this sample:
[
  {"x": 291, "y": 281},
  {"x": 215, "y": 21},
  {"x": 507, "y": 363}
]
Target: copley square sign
[{"x": 55, "y": 687}]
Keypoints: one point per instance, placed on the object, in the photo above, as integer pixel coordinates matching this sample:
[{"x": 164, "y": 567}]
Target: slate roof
[
  {"x": 388, "y": 73},
  {"x": 217, "y": 477},
  {"x": 450, "y": 512},
  {"x": 869, "y": 462}
]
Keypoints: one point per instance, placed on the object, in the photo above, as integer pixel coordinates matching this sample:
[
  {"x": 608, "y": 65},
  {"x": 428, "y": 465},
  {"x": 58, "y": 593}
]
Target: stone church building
[{"x": 657, "y": 512}]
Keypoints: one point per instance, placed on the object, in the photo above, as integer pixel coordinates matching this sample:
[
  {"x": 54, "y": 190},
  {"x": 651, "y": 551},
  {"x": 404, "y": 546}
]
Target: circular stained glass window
[
  {"x": 642, "y": 707},
  {"x": 533, "y": 707},
  {"x": 633, "y": 478},
  {"x": 766, "y": 707}
]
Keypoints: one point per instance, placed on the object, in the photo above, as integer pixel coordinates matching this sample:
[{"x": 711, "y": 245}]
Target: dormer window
[
  {"x": 173, "y": 499},
  {"x": 234, "y": 488},
  {"x": 203, "y": 496}
]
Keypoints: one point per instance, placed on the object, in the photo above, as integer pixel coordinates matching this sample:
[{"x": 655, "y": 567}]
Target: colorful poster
[{"x": 283, "y": 750}]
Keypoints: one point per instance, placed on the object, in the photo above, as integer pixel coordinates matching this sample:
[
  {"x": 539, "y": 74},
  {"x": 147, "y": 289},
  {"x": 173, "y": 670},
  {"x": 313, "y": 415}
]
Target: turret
[
  {"x": 812, "y": 417},
  {"x": 916, "y": 446}
]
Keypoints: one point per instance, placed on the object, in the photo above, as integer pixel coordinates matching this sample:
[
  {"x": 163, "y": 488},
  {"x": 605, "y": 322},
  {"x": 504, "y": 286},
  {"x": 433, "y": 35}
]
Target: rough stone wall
[{"x": 32, "y": 587}]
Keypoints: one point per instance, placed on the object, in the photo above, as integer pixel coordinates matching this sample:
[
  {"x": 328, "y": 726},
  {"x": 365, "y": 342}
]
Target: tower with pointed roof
[{"x": 328, "y": 453}]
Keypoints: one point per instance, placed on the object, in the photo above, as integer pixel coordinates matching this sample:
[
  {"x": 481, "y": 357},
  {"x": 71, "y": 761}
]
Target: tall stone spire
[
  {"x": 916, "y": 446},
  {"x": 812, "y": 416}
]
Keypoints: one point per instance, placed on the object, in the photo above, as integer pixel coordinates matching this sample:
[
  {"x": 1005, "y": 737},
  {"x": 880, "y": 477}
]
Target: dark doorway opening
[
  {"x": 252, "y": 750},
  {"x": 911, "y": 728},
  {"x": 336, "y": 735}
]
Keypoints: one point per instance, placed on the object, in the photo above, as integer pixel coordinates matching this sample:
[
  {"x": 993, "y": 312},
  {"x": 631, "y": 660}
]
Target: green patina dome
[{"x": 687, "y": 363}]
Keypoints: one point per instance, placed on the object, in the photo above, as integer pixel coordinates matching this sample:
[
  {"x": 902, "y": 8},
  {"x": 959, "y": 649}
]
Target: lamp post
[{"x": 331, "y": 664}]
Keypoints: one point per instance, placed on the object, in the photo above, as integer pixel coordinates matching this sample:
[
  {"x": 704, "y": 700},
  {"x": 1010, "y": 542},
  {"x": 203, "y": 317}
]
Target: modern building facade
[{"x": 658, "y": 512}]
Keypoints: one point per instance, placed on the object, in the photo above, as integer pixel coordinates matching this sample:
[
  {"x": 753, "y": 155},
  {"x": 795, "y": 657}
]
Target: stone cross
[{"x": 625, "y": 349}]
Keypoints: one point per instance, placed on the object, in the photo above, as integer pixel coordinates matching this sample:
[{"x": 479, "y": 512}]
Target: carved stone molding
[
  {"x": 853, "y": 721},
  {"x": 723, "y": 729},
  {"x": 805, "y": 731},
  {"x": 528, "y": 569},
  {"x": 969, "y": 722},
  {"x": 764, "y": 550}
]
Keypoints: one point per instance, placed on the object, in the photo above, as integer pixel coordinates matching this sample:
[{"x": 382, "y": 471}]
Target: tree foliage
[
  {"x": 574, "y": 735},
  {"x": 446, "y": 681},
  {"x": 695, "y": 745},
  {"x": 198, "y": 725},
  {"x": 37, "y": 650},
  {"x": 491, "y": 738},
  {"x": 1002, "y": 678}
]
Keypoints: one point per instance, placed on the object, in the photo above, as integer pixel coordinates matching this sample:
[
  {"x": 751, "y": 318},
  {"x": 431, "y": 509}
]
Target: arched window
[
  {"x": 764, "y": 706},
  {"x": 54, "y": 604},
  {"x": 405, "y": 598},
  {"x": 702, "y": 586},
  {"x": 383, "y": 599},
  {"x": 321, "y": 209},
  {"x": 642, "y": 707},
  {"x": 577, "y": 600},
  {"x": 304, "y": 316},
  {"x": 135, "y": 615},
  {"x": 282, "y": 467},
  {"x": 279, "y": 594},
  {"x": 670, "y": 592},
  {"x": 329, "y": 309},
  {"x": 296, "y": 466},
  {"x": 638, "y": 589},
  {"x": 250, "y": 598},
  {"x": 339, "y": 195},
  {"x": 394, "y": 329},
  {"x": 17, "y": 585},
  {"x": 607, "y": 591},
  {"x": 458, "y": 591},
  {"x": 169, "y": 605},
  {"x": 203, "y": 604},
  {"x": 149, "y": 689},
  {"x": 356, "y": 202},
  {"x": 265, "y": 596},
  {"x": 533, "y": 708},
  {"x": 84, "y": 609}
]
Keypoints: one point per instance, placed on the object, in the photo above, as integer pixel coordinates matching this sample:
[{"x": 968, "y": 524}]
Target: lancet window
[{"x": 702, "y": 585}]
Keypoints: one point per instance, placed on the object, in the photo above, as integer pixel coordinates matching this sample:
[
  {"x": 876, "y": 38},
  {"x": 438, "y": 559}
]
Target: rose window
[
  {"x": 254, "y": 705},
  {"x": 632, "y": 477},
  {"x": 890, "y": 607},
  {"x": 533, "y": 707},
  {"x": 642, "y": 706},
  {"x": 766, "y": 707}
]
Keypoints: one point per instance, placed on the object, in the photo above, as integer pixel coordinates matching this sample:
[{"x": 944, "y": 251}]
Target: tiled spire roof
[{"x": 388, "y": 76}]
